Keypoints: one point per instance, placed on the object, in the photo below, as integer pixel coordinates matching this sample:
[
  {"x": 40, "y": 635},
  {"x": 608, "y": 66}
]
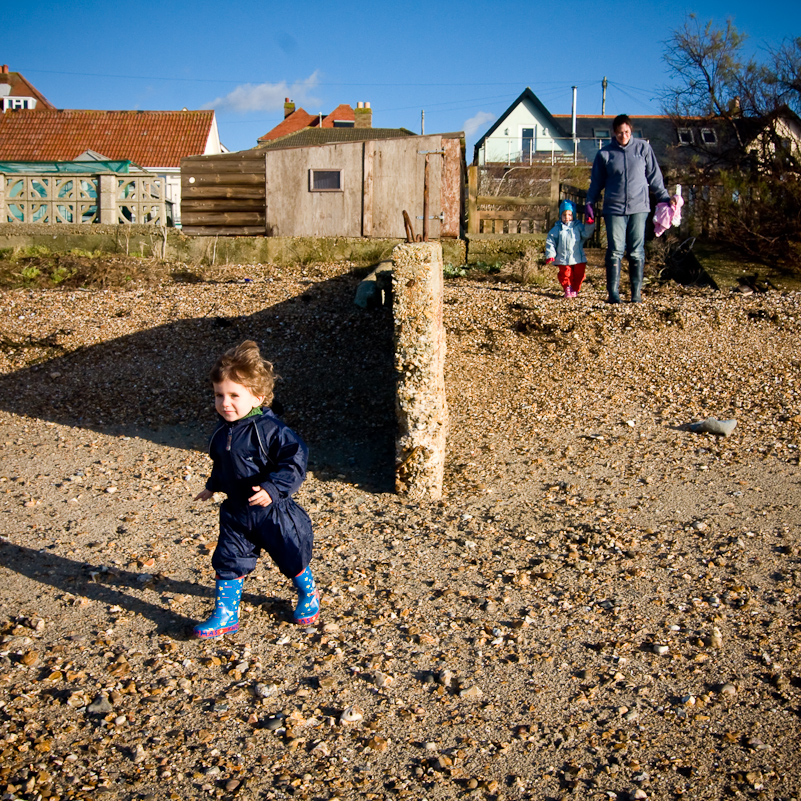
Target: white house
[{"x": 525, "y": 132}]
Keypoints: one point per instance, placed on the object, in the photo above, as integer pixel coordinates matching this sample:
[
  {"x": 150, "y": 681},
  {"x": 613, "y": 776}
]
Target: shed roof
[
  {"x": 154, "y": 139},
  {"x": 309, "y": 137}
]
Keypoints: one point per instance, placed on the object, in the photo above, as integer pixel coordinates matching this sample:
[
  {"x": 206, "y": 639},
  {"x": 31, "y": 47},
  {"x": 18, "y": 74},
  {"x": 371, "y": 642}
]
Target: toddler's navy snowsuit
[{"x": 259, "y": 450}]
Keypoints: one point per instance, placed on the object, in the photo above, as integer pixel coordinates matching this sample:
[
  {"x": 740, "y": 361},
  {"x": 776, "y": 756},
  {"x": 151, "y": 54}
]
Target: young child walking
[
  {"x": 565, "y": 246},
  {"x": 259, "y": 463}
]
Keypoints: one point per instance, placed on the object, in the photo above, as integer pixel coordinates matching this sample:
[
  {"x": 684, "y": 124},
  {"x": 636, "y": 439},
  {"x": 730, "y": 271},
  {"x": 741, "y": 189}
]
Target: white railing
[{"x": 548, "y": 150}]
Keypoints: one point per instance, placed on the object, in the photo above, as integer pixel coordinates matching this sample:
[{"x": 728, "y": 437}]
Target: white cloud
[
  {"x": 477, "y": 123},
  {"x": 266, "y": 96}
]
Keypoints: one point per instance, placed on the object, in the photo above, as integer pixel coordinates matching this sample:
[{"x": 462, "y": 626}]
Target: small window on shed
[
  {"x": 325, "y": 180},
  {"x": 708, "y": 136},
  {"x": 685, "y": 136},
  {"x": 601, "y": 133}
]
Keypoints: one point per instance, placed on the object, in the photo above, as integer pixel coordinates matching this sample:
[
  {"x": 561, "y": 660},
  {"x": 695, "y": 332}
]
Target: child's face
[
  {"x": 567, "y": 216},
  {"x": 233, "y": 401}
]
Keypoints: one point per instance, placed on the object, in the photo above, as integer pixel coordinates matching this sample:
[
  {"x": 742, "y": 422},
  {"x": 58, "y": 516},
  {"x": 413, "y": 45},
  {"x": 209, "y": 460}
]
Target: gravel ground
[{"x": 604, "y": 604}]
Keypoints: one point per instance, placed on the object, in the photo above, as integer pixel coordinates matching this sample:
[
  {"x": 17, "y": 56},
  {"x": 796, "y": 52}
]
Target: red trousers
[{"x": 572, "y": 275}]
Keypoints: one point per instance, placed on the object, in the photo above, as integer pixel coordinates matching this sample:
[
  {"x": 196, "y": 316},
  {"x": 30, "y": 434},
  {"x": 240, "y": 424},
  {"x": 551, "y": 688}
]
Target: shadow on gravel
[
  {"x": 335, "y": 361},
  {"x": 113, "y": 587}
]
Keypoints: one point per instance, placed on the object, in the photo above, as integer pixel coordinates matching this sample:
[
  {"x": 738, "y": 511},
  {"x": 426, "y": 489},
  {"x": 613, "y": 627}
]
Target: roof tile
[{"x": 151, "y": 139}]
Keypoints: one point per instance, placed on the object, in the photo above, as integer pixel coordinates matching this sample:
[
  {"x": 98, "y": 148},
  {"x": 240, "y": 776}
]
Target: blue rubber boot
[
  {"x": 308, "y": 609},
  {"x": 225, "y": 617}
]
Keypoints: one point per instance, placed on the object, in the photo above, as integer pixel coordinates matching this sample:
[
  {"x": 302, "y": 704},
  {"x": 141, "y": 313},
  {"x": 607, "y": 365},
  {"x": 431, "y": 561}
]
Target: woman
[{"x": 625, "y": 170}]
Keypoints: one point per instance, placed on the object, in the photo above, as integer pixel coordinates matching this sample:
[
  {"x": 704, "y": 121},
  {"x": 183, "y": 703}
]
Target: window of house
[
  {"x": 685, "y": 136},
  {"x": 325, "y": 180},
  {"x": 344, "y": 124},
  {"x": 708, "y": 136},
  {"x": 17, "y": 102},
  {"x": 601, "y": 133}
]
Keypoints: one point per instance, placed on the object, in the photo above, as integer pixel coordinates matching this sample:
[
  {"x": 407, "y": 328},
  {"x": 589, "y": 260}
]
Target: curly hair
[{"x": 244, "y": 365}]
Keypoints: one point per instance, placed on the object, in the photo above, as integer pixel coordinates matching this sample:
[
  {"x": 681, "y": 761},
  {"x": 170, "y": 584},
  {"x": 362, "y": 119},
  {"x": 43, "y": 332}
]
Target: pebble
[
  {"x": 100, "y": 706},
  {"x": 728, "y": 689},
  {"x": 661, "y": 650},
  {"x": 351, "y": 714},
  {"x": 273, "y": 722}
]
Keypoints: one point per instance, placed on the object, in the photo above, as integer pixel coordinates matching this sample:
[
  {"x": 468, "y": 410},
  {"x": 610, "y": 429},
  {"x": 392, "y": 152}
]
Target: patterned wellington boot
[
  {"x": 225, "y": 617},
  {"x": 308, "y": 609}
]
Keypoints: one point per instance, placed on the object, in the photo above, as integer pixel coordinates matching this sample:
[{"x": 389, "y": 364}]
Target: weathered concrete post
[
  {"x": 422, "y": 410},
  {"x": 107, "y": 201}
]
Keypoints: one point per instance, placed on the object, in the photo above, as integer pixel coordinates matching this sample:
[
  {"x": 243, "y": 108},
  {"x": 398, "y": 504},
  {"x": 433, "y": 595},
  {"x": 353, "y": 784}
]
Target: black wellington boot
[
  {"x": 635, "y": 278},
  {"x": 613, "y": 280}
]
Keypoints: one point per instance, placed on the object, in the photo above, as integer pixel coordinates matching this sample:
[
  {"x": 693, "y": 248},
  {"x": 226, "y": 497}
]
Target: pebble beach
[{"x": 604, "y": 604}]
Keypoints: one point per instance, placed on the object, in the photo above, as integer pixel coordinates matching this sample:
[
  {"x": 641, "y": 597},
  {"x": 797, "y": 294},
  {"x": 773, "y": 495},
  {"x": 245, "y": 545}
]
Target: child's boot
[
  {"x": 225, "y": 617},
  {"x": 308, "y": 609}
]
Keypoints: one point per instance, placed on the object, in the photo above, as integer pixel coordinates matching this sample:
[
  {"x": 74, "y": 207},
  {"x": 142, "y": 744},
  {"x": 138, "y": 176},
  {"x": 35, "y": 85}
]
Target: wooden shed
[{"x": 337, "y": 188}]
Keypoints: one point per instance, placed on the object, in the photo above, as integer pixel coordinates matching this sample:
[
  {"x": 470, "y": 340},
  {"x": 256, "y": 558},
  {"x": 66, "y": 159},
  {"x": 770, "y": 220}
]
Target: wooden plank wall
[
  {"x": 224, "y": 195},
  {"x": 294, "y": 210},
  {"x": 266, "y": 192}
]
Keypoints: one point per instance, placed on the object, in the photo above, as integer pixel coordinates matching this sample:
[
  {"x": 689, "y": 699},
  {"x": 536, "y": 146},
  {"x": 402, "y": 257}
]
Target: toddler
[
  {"x": 258, "y": 463},
  {"x": 565, "y": 246}
]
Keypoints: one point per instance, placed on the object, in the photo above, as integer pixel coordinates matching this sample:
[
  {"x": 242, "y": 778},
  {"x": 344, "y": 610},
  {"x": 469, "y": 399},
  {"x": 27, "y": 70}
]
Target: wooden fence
[
  {"x": 489, "y": 212},
  {"x": 224, "y": 194}
]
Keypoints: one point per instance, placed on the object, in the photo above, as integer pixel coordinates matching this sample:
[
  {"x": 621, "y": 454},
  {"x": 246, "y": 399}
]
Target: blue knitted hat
[{"x": 567, "y": 205}]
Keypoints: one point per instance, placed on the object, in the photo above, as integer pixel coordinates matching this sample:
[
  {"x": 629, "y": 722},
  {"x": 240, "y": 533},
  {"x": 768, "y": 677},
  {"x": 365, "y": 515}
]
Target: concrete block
[{"x": 417, "y": 297}]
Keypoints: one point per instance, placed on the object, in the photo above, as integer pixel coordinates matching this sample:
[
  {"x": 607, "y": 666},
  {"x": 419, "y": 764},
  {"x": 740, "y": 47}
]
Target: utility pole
[
  {"x": 422, "y": 122},
  {"x": 603, "y": 97}
]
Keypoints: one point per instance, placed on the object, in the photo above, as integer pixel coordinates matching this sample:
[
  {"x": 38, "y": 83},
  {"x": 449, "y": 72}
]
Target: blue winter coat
[
  {"x": 256, "y": 450},
  {"x": 565, "y": 242},
  {"x": 259, "y": 450},
  {"x": 625, "y": 175}
]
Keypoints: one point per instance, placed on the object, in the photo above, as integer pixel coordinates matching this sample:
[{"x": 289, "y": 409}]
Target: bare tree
[
  {"x": 706, "y": 63},
  {"x": 756, "y": 167}
]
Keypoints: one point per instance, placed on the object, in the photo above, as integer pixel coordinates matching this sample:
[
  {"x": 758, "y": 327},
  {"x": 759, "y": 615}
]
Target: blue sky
[{"x": 461, "y": 63}]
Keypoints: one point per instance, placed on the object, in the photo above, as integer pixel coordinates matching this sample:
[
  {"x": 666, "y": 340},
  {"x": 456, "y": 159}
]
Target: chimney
[
  {"x": 289, "y": 107},
  {"x": 4, "y": 69},
  {"x": 363, "y": 116}
]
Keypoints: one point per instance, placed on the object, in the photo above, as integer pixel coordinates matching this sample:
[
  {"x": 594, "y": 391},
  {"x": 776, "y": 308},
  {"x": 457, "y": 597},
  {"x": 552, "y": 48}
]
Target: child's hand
[
  {"x": 260, "y": 498},
  {"x": 204, "y": 495}
]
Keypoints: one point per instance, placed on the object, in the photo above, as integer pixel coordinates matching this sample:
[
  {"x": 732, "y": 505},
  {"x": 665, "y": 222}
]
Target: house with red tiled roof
[
  {"x": 298, "y": 119},
  {"x": 155, "y": 141},
  {"x": 16, "y": 92}
]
